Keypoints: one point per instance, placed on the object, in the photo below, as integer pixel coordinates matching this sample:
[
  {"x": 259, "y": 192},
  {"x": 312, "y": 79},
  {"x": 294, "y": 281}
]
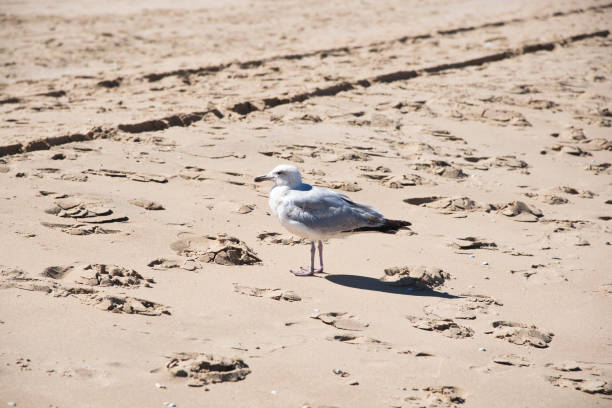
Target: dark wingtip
[{"x": 388, "y": 227}]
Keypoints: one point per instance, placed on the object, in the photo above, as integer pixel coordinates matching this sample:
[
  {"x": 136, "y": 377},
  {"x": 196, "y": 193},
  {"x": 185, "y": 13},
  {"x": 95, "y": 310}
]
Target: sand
[{"x": 139, "y": 262}]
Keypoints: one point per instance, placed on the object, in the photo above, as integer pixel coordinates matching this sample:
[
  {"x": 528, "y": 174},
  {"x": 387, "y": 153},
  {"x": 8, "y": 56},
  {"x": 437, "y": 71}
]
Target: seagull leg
[
  {"x": 305, "y": 271},
  {"x": 320, "y": 258}
]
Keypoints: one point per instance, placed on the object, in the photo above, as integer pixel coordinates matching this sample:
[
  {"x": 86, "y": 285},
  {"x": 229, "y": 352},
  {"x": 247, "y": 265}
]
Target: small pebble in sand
[{"x": 341, "y": 373}]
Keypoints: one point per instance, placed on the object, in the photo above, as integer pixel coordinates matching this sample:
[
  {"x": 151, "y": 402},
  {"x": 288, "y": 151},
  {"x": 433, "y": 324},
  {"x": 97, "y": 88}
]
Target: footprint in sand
[
  {"x": 52, "y": 282},
  {"x": 396, "y": 182},
  {"x": 551, "y": 199},
  {"x": 131, "y": 175},
  {"x": 521, "y": 334},
  {"x": 473, "y": 243},
  {"x": 201, "y": 369},
  {"x": 193, "y": 173},
  {"x": 245, "y": 209},
  {"x": 466, "y": 308},
  {"x": 338, "y": 185},
  {"x": 512, "y": 360},
  {"x": 585, "y": 377},
  {"x": 282, "y": 239},
  {"x": 275, "y": 294},
  {"x": 128, "y": 305},
  {"x": 418, "y": 277},
  {"x": 441, "y": 397},
  {"x": 79, "y": 229},
  {"x": 147, "y": 204},
  {"x": 84, "y": 212},
  {"x": 291, "y": 156},
  {"x": 98, "y": 275},
  {"x": 368, "y": 343},
  {"x": 447, "y": 327},
  {"x": 518, "y": 211},
  {"x": 440, "y": 168},
  {"x": 221, "y": 249},
  {"x": 165, "y": 263},
  {"x": 509, "y": 162},
  {"x": 341, "y": 320},
  {"x": 575, "y": 191},
  {"x": 445, "y": 205},
  {"x": 602, "y": 168}
]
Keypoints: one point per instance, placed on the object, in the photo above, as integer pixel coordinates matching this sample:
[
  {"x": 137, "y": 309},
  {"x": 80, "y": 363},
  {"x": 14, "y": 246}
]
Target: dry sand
[{"x": 140, "y": 264}]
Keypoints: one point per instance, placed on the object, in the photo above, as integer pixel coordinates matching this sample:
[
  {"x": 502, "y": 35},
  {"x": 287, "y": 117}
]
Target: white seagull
[{"x": 318, "y": 213}]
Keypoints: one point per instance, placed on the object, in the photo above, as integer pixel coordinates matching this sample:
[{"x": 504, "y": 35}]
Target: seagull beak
[{"x": 262, "y": 178}]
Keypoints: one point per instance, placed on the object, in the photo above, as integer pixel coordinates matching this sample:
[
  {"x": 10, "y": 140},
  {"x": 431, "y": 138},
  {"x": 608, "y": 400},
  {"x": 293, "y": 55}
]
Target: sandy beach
[{"x": 140, "y": 264}]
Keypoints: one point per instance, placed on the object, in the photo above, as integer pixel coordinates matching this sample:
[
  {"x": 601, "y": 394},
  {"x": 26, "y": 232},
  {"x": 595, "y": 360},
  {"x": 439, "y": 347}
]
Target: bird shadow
[{"x": 367, "y": 283}]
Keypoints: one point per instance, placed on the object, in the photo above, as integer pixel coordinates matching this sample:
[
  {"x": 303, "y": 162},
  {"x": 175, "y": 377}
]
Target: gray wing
[{"x": 326, "y": 211}]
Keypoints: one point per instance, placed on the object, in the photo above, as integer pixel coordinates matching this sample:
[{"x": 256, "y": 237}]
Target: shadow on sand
[{"x": 367, "y": 283}]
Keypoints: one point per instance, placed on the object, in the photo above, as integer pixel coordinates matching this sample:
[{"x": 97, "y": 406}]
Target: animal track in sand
[
  {"x": 276, "y": 294},
  {"x": 446, "y": 326},
  {"x": 421, "y": 277},
  {"x": 341, "y": 320},
  {"x": 521, "y": 334},
  {"x": 221, "y": 249},
  {"x": 201, "y": 369}
]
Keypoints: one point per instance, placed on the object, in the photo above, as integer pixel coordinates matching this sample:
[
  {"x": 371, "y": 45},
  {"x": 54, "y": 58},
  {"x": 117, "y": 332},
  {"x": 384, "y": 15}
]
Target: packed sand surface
[{"x": 140, "y": 264}]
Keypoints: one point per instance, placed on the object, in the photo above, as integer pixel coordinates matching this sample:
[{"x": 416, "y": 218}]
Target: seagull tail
[{"x": 387, "y": 227}]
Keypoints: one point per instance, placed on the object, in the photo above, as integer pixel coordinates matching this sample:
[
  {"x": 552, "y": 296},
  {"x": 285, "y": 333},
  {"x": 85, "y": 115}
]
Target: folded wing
[{"x": 328, "y": 212}]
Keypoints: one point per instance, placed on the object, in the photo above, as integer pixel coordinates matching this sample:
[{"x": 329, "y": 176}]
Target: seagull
[{"x": 318, "y": 213}]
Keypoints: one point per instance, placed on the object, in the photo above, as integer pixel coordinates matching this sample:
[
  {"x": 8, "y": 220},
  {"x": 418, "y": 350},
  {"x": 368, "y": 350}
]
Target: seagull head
[{"x": 283, "y": 175}]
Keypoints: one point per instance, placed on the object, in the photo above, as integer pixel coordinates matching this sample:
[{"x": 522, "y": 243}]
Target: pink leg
[{"x": 309, "y": 272}]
